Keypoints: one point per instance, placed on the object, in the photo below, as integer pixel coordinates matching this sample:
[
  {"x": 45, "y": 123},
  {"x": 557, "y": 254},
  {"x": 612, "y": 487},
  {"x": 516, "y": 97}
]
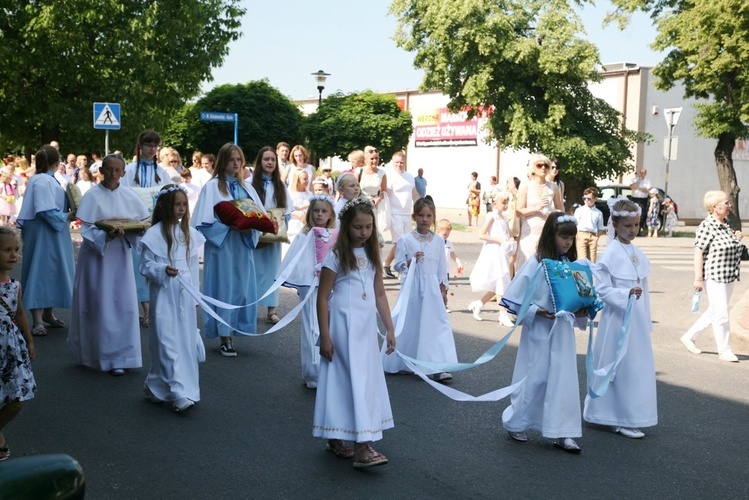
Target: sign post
[
  {"x": 106, "y": 117},
  {"x": 672, "y": 118},
  {"x": 217, "y": 116}
]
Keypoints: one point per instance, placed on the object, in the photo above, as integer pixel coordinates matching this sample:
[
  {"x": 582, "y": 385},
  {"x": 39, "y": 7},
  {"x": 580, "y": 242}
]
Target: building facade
[{"x": 448, "y": 147}]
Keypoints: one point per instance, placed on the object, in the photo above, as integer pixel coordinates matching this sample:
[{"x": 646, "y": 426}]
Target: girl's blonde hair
[
  {"x": 10, "y": 232},
  {"x": 316, "y": 200},
  {"x": 343, "y": 178}
]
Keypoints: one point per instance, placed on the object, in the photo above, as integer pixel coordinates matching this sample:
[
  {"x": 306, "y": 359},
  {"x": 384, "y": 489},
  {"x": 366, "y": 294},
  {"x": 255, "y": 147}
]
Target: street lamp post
[
  {"x": 320, "y": 76},
  {"x": 672, "y": 118}
]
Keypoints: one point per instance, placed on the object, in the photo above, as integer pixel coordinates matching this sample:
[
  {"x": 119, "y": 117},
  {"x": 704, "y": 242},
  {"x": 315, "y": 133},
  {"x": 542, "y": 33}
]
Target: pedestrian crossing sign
[{"x": 107, "y": 115}]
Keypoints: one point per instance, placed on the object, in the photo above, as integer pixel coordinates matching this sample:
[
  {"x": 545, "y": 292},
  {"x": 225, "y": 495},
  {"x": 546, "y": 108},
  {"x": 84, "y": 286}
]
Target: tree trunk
[{"x": 727, "y": 175}]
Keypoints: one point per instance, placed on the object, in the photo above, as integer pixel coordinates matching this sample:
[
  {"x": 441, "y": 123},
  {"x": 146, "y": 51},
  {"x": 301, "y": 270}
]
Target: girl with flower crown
[
  {"x": 629, "y": 403},
  {"x": 314, "y": 243},
  {"x": 168, "y": 249},
  {"x": 549, "y": 399}
]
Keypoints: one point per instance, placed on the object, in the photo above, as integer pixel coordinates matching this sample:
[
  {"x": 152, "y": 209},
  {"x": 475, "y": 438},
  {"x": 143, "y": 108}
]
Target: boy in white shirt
[{"x": 589, "y": 226}]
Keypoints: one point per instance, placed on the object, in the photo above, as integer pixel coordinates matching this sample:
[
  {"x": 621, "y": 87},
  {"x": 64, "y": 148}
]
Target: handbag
[
  {"x": 383, "y": 213},
  {"x": 744, "y": 253},
  {"x": 282, "y": 236}
]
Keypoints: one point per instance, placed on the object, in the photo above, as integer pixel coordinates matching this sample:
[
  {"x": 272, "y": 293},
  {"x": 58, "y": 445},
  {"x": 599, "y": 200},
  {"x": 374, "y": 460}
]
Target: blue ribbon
[
  {"x": 607, "y": 372},
  {"x": 490, "y": 354}
]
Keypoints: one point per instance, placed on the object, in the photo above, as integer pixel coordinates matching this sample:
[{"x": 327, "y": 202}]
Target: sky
[{"x": 285, "y": 41}]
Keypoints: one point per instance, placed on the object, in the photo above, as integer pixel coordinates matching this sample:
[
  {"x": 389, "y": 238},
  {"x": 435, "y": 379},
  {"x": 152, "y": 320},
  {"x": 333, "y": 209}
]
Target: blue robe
[
  {"x": 228, "y": 262},
  {"x": 47, "y": 268}
]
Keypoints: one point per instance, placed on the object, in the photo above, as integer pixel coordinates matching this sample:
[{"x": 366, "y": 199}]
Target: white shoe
[
  {"x": 689, "y": 344},
  {"x": 728, "y": 356},
  {"x": 505, "y": 320},
  {"x": 630, "y": 433},
  {"x": 182, "y": 404},
  {"x": 518, "y": 436},
  {"x": 475, "y": 308}
]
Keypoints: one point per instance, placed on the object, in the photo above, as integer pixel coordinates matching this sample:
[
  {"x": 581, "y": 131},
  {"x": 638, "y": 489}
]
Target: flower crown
[
  {"x": 623, "y": 213},
  {"x": 322, "y": 197},
  {"x": 352, "y": 203},
  {"x": 566, "y": 218},
  {"x": 169, "y": 190}
]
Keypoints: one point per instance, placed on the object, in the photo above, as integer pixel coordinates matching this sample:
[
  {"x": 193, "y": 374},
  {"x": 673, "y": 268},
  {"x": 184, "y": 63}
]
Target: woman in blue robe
[
  {"x": 47, "y": 267},
  {"x": 228, "y": 261}
]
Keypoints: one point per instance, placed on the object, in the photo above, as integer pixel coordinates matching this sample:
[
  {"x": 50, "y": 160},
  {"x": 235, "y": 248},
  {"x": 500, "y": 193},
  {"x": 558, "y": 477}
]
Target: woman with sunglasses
[
  {"x": 537, "y": 198},
  {"x": 555, "y": 175}
]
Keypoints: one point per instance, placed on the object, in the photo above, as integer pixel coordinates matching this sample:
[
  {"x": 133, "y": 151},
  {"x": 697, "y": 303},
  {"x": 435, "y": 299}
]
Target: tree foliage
[
  {"x": 707, "y": 52},
  {"x": 346, "y": 122},
  {"x": 266, "y": 117},
  {"x": 522, "y": 65},
  {"x": 60, "y": 56}
]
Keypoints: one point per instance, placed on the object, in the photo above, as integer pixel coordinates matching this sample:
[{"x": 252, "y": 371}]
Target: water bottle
[{"x": 696, "y": 302}]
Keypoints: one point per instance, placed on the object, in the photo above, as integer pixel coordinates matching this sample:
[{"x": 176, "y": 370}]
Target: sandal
[
  {"x": 372, "y": 459},
  {"x": 54, "y": 322},
  {"x": 38, "y": 330},
  {"x": 4, "y": 453},
  {"x": 339, "y": 448},
  {"x": 144, "y": 321},
  {"x": 272, "y": 319}
]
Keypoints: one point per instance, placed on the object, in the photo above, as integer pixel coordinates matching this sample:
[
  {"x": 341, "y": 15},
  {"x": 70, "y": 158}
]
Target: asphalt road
[{"x": 250, "y": 435}]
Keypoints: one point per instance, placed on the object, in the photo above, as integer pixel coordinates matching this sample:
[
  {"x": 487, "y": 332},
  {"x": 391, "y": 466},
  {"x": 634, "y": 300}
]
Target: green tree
[
  {"x": 266, "y": 117},
  {"x": 345, "y": 122},
  {"x": 708, "y": 50},
  {"x": 60, "y": 56},
  {"x": 522, "y": 66}
]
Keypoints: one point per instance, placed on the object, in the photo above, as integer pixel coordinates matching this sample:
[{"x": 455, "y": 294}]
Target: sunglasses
[
  {"x": 554, "y": 167},
  {"x": 373, "y": 150},
  {"x": 586, "y": 198},
  {"x": 542, "y": 165}
]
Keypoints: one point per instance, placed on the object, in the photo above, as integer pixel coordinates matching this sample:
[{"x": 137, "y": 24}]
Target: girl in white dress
[
  {"x": 170, "y": 248},
  {"x": 320, "y": 215},
  {"x": 352, "y": 401},
  {"x": 348, "y": 189},
  {"x": 426, "y": 333},
  {"x": 622, "y": 271},
  {"x": 549, "y": 400},
  {"x": 300, "y": 195},
  {"x": 491, "y": 274}
]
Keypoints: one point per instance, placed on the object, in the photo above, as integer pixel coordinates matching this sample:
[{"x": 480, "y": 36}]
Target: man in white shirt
[
  {"x": 589, "y": 226},
  {"x": 640, "y": 187},
  {"x": 401, "y": 189}
]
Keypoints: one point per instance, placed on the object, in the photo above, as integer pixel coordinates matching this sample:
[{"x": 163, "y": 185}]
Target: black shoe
[
  {"x": 389, "y": 272},
  {"x": 227, "y": 349}
]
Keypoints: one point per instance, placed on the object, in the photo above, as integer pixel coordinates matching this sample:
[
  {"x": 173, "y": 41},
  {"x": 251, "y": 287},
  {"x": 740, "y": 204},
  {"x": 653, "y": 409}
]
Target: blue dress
[
  {"x": 228, "y": 261},
  {"x": 47, "y": 267}
]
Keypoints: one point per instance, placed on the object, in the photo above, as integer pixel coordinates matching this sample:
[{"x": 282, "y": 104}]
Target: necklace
[
  {"x": 362, "y": 262},
  {"x": 633, "y": 259}
]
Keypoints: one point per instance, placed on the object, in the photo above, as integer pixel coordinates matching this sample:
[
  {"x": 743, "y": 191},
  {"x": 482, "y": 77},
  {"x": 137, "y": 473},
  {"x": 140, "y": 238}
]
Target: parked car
[{"x": 608, "y": 191}]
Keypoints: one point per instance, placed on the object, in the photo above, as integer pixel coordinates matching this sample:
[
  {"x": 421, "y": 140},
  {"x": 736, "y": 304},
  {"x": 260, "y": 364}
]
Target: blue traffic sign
[
  {"x": 216, "y": 116},
  {"x": 107, "y": 115}
]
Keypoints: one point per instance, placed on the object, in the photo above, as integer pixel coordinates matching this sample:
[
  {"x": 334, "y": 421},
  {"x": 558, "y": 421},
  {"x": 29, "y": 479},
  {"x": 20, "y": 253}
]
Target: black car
[{"x": 614, "y": 190}]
